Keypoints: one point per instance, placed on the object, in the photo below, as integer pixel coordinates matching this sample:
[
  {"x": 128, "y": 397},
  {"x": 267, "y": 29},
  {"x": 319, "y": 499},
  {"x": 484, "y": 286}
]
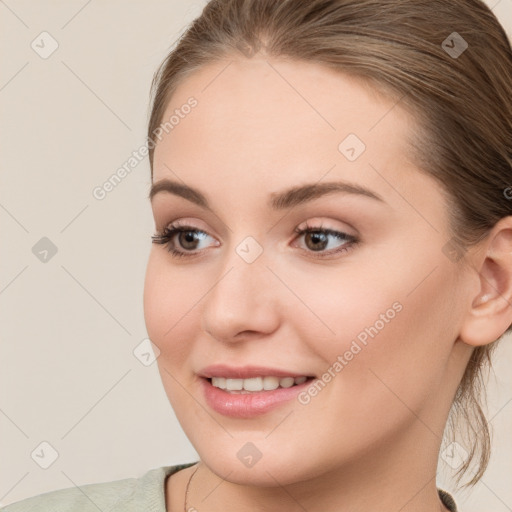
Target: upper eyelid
[
  {"x": 176, "y": 227},
  {"x": 314, "y": 223}
]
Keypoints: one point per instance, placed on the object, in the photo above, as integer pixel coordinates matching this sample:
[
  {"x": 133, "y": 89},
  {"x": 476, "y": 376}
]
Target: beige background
[{"x": 68, "y": 374}]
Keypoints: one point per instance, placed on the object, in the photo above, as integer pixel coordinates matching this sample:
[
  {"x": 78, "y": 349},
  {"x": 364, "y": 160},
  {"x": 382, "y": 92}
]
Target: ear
[{"x": 490, "y": 313}]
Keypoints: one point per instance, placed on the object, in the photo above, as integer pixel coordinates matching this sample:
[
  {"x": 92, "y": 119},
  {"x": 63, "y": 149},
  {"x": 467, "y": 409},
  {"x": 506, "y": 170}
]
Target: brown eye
[
  {"x": 188, "y": 240},
  {"x": 187, "y": 237},
  {"x": 317, "y": 240}
]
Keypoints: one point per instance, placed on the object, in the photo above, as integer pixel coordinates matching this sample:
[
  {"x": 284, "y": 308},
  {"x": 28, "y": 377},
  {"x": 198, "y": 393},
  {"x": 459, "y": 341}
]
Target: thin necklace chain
[{"x": 188, "y": 485}]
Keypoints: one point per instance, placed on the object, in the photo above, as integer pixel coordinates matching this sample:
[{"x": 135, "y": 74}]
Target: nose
[{"x": 242, "y": 302}]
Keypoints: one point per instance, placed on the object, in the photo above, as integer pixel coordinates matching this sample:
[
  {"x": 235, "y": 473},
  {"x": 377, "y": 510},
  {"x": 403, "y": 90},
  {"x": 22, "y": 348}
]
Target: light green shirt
[{"x": 143, "y": 494}]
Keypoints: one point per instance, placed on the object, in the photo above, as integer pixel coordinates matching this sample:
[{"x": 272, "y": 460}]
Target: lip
[
  {"x": 248, "y": 405},
  {"x": 245, "y": 372}
]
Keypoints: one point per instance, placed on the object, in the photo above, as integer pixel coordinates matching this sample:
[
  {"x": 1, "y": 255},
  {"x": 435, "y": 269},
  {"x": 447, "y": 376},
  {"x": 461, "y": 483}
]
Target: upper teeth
[{"x": 256, "y": 383}]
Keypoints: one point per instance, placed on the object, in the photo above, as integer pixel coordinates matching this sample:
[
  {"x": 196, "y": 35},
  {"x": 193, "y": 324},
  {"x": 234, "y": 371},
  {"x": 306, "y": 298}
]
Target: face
[{"x": 350, "y": 288}]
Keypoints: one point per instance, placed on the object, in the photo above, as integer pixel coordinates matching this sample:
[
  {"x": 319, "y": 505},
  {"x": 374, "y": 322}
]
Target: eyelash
[{"x": 165, "y": 238}]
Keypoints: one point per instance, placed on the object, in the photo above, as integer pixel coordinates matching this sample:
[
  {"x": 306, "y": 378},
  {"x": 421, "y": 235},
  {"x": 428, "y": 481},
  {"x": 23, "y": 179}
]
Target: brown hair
[{"x": 415, "y": 52}]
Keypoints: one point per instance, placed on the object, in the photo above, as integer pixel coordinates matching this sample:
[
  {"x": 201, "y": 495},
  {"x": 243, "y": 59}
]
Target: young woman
[{"x": 332, "y": 261}]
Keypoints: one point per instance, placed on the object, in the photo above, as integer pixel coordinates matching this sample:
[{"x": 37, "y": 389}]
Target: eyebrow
[{"x": 278, "y": 200}]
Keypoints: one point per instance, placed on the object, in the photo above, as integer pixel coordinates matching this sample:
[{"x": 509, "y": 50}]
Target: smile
[{"x": 254, "y": 384}]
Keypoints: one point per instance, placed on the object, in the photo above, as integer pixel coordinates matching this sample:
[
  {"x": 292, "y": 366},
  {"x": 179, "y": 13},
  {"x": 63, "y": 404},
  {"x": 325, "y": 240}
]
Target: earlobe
[{"x": 490, "y": 312}]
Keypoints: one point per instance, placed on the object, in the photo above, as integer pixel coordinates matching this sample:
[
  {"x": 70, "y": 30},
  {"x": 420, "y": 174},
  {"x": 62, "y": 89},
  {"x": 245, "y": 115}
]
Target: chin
[
  {"x": 262, "y": 463},
  {"x": 263, "y": 474}
]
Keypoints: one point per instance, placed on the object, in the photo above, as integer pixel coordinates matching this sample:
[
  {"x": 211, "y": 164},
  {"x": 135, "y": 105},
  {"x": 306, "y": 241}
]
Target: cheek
[
  {"x": 168, "y": 311},
  {"x": 398, "y": 342},
  {"x": 169, "y": 300},
  {"x": 395, "y": 321},
  {"x": 343, "y": 308}
]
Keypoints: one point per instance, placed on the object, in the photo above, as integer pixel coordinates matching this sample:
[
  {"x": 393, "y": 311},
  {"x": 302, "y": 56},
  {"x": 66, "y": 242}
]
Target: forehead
[{"x": 268, "y": 123}]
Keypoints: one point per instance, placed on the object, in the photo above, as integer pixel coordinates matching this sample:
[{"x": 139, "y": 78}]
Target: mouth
[{"x": 249, "y": 392}]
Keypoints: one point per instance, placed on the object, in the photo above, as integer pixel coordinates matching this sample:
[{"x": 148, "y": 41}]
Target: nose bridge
[{"x": 242, "y": 297}]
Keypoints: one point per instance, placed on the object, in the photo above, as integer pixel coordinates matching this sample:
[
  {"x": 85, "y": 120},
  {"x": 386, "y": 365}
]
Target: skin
[{"x": 370, "y": 439}]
